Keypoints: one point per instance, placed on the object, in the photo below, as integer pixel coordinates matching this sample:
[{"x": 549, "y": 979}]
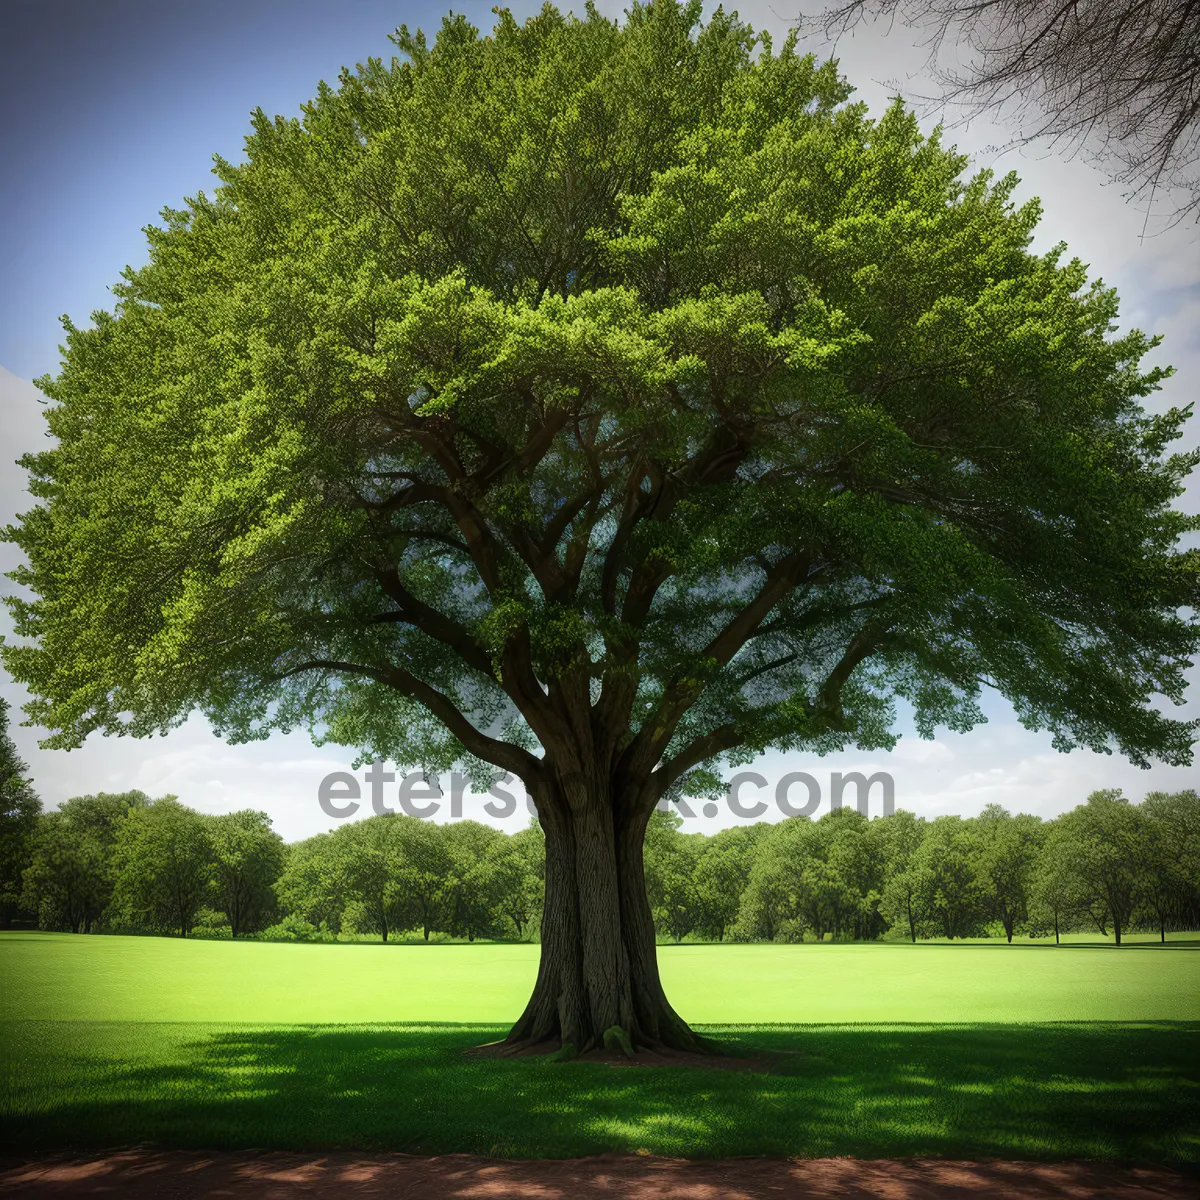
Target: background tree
[
  {"x": 19, "y": 809},
  {"x": 518, "y": 871},
  {"x": 367, "y": 867},
  {"x": 945, "y": 865},
  {"x": 855, "y": 871},
  {"x": 1171, "y": 858},
  {"x": 771, "y": 902},
  {"x": 899, "y": 836},
  {"x": 721, "y": 877},
  {"x": 70, "y": 880},
  {"x": 1122, "y": 76},
  {"x": 1106, "y": 841},
  {"x": 671, "y": 859},
  {"x": 426, "y": 877},
  {"x": 1007, "y": 850},
  {"x": 1055, "y": 890},
  {"x": 247, "y": 859},
  {"x": 474, "y": 888},
  {"x": 164, "y": 865},
  {"x": 664, "y": 410},
  {"x": 310, "y": 888}
]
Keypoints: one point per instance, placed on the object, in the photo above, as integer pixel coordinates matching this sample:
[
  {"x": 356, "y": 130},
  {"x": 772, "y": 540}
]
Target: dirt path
[{"x": 141, "y": 1175}]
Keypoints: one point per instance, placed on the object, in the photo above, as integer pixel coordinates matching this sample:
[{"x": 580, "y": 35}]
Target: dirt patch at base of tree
[{"x": 276, "y": 1175}]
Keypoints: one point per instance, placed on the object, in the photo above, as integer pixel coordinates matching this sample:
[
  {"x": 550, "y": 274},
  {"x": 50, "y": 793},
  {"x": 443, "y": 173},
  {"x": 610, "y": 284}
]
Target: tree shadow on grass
[{"x": 1049, "y": 1091}]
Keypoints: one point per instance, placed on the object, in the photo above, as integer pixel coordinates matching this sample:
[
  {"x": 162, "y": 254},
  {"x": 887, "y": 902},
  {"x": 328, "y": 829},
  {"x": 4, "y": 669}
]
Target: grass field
[{"x": 885, "y": 1050}]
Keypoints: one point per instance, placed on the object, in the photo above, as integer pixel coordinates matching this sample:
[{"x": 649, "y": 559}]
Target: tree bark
[{"x": 599, "y": 967}]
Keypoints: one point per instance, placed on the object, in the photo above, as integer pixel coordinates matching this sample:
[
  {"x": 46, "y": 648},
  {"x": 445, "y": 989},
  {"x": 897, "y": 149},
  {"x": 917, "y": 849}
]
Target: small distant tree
[
  {"x": 781, "y": 900},
  {"x": 426, "y": 874},
  {"x": 903, "y": 902},
  {"x": 70, "y": 880},
  {"x": 854, "y": 871},
  {"x": 899, "y": 836},
  {"x": 1105, "y": 846},
  {"x": 366, "y": 867},
  {"x": 671, "y": 858},
  {"x": 1055, "y": 889},
  {"x": 1170, "y": 875},
  {"x": 19, "y": 809},
  {"x": 310, "y": 889},
  {"x": 722, "y": 874},
  {"x": 518, "y": 870},
  {"x": 247, "y": 859},
  {"x": 949, "y": 883},
  {"x": 164, "y": 866},
  {"x": 473, "y": 888},
  {"x": 1007, "y": 850}
]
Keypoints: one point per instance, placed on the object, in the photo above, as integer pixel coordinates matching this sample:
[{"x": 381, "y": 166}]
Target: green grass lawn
[{"x": 886, "y": 1050}]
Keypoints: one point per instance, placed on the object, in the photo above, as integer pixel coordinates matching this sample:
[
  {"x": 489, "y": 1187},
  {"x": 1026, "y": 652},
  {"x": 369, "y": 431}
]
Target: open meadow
[{"x": 876, "y": 1050}]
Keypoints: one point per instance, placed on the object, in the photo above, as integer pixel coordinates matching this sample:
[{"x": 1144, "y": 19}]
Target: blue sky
[{"x": 109, "y": 112}]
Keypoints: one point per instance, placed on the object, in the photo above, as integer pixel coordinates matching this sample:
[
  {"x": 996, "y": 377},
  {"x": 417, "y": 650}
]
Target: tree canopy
[{"x": 594, "y": 402}]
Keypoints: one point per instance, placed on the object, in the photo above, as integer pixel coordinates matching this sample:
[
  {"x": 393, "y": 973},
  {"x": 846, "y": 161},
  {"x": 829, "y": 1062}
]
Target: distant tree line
[
  {"x": 125, "y": 863},
  {"x": 1107, "y": 866}
]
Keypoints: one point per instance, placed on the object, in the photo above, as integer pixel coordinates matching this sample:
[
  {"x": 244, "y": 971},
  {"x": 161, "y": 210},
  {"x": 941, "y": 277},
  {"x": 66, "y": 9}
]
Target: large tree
[{"x": 597, "y": 403}]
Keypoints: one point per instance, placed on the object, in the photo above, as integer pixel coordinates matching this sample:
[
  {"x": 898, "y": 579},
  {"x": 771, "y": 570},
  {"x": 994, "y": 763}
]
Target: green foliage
[
  {"x": 517, "y": 872},
  {"x": 122, "y": 862},
  {"x": 819, "y": 877},
  {"x": 1007, "y": 854},
  {"x": 947, "y": 877},
  {"x": 164, "y": 867},
  {"x": 721, "y": 877},
  {"x": 19, "y": 809},
  {"x": 69, "y": 883},
  {"x": 610, "y": 366},
  {"x": 1170, "y": 877},
  {"x": 363, "y": 875},
  {"x": 670, "y": 861},
  {"x": 247, "y": 857},
  {"x": 1106, "y": 838},
  {"x": 308, "y": 888},
  {"x": 474, "y": 893}
]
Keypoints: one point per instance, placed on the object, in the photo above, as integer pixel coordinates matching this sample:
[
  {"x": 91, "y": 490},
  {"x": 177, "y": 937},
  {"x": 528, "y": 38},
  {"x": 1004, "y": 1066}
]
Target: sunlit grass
[{"x": 60, "y": 976}]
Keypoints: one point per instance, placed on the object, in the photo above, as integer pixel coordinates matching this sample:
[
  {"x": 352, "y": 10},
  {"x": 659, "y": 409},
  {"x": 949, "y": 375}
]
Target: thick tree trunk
[{"x": 598, "y": 967}]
